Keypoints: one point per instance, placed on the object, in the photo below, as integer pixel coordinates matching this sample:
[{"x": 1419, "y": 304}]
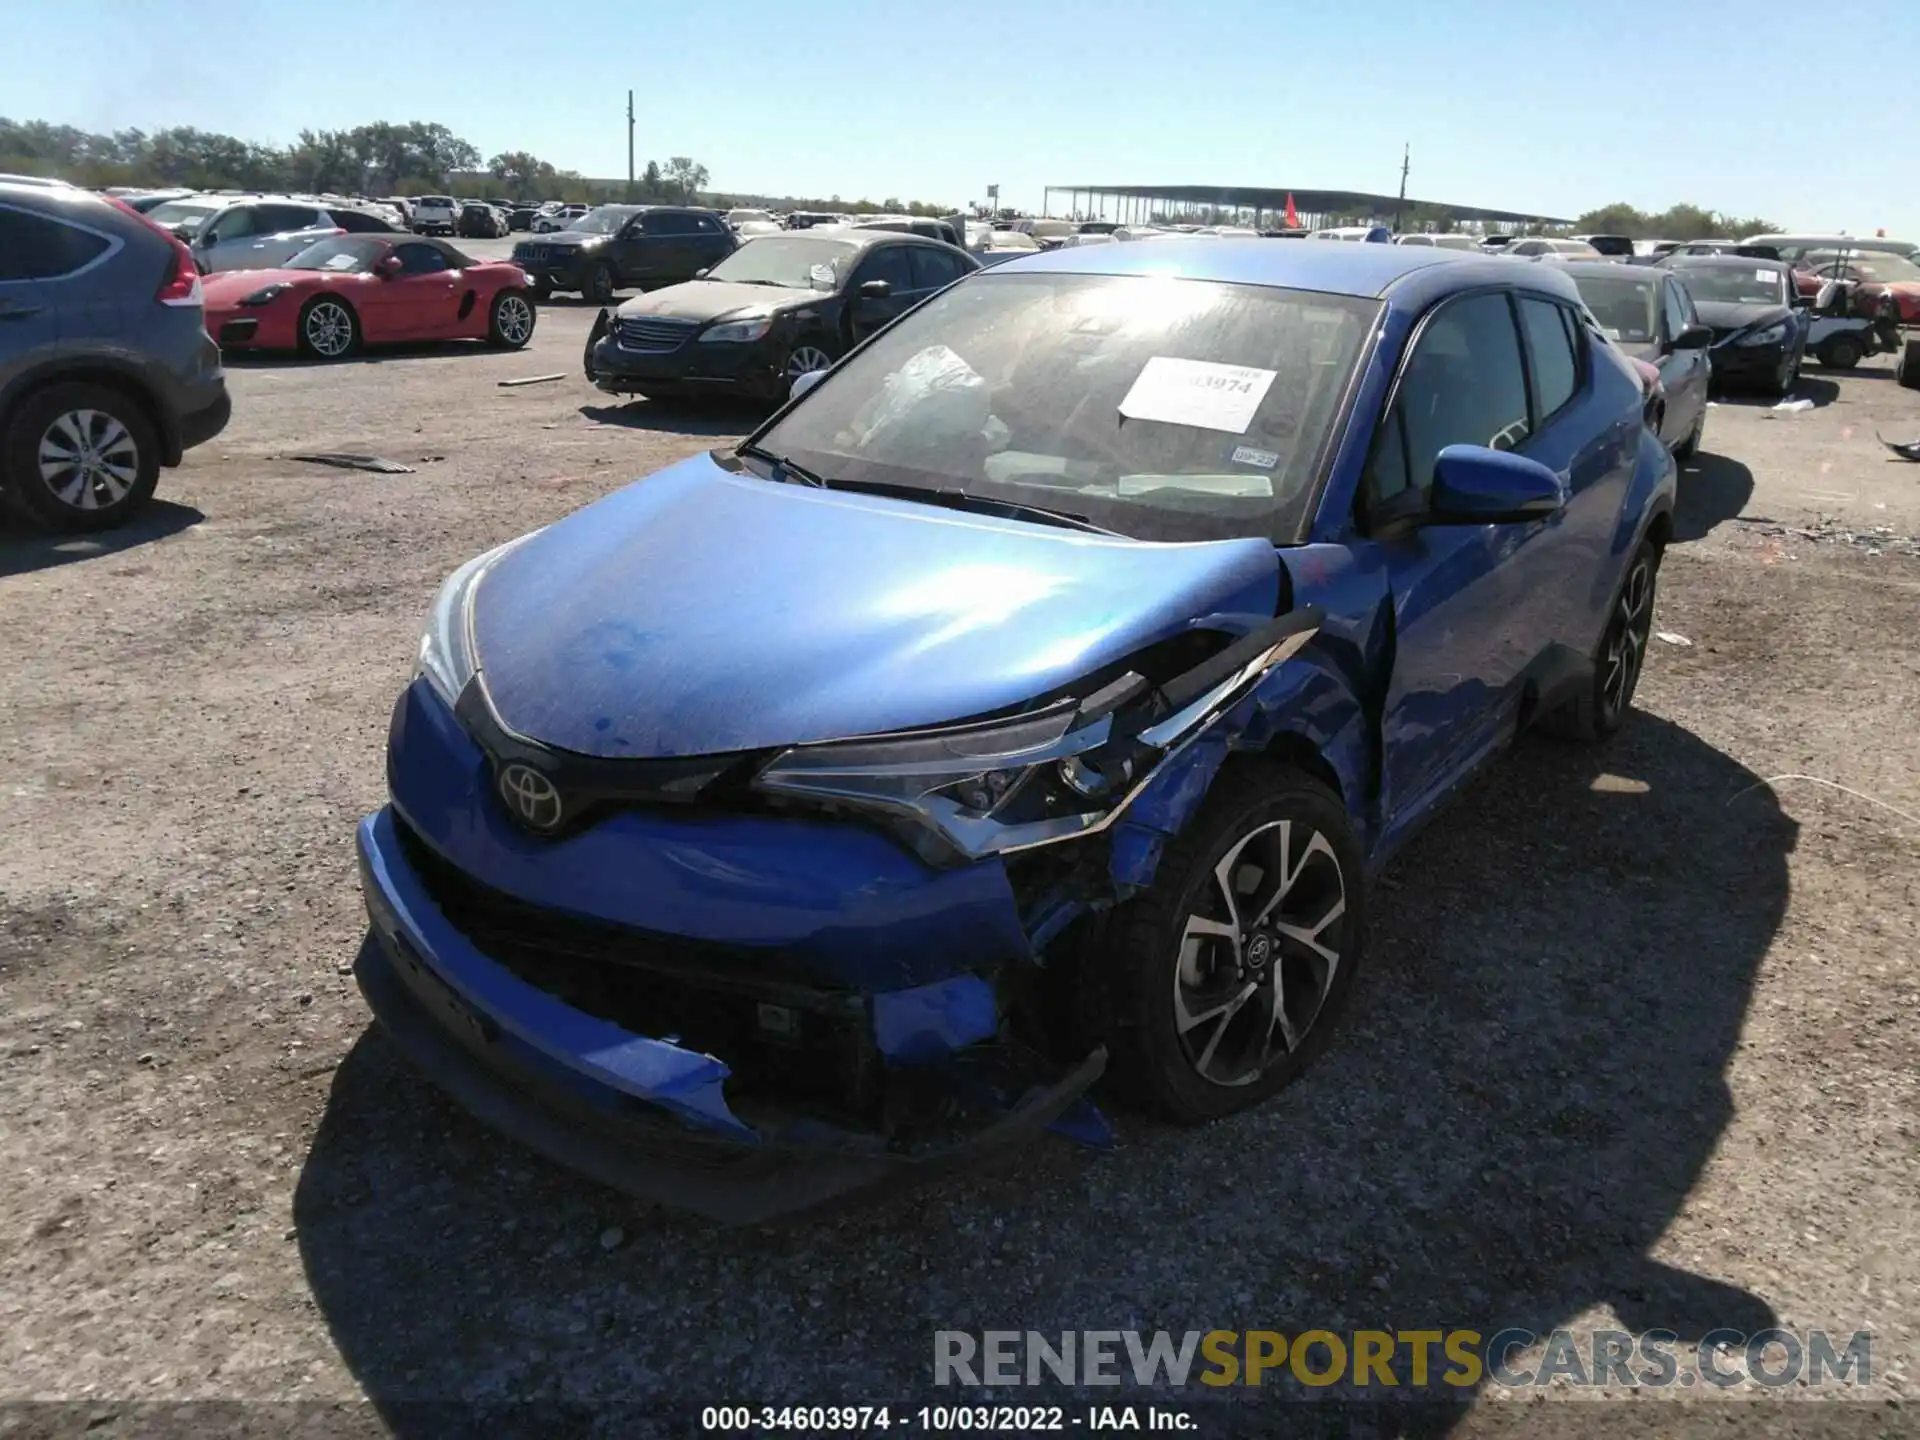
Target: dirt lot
[{"x": 1635, "y": 1047}]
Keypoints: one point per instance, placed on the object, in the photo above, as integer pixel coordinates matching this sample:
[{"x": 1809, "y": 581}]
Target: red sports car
[
  {"x": 1884, "y": 283},
  {"x": 336, "y": 295}
]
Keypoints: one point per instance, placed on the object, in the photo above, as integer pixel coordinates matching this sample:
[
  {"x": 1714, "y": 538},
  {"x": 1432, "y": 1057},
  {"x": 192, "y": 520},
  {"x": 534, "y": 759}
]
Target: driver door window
[
  {"x": 1464, "y": 384},
  {"x": 1678, "y": 312},
  {"x": 234, "y": 225},
  {"x": 420, "y": 259}
]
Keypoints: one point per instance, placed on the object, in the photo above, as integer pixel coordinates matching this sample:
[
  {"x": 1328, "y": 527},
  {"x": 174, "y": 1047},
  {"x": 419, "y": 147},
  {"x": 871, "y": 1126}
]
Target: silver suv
[
  {"x": 263, "y": 234},
  {"x": 106, "y": 371}
]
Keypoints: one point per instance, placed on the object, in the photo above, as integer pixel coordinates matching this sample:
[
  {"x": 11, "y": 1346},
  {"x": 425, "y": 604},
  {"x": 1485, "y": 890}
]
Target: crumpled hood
[
  {"x": 1730, "y": 319},
  {"x": 700, "y": 611},
  {"x": 710, "y": 299}
]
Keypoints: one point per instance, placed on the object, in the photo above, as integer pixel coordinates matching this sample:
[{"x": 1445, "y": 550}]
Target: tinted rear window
[{"x": 38, "y": 247}]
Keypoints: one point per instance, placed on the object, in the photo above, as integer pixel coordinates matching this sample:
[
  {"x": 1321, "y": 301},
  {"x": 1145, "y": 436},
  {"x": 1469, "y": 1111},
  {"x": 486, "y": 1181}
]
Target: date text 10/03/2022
[{"x": 940, "y": 1419}]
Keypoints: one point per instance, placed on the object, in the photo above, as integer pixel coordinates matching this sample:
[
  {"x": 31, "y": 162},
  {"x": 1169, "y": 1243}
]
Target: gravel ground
[{"x": 1634, "y": 1048}]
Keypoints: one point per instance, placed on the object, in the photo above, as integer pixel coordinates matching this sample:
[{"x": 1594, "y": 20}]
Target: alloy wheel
[
  {"x": 329, "y": 329},
  {"x": 1259, "y": 952},
  {"x": 515, "y": 318},
  {"x": 88, "y": 460},
  {"x": 805, "y": 360},
  {"x": 1627, "y": 634}
]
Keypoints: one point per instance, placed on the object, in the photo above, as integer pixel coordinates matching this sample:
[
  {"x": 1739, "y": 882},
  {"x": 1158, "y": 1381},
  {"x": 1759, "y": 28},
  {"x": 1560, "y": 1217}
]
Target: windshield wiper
[
  {"x": 977, "y": 504},
  {"x": 783, "y": 468}
]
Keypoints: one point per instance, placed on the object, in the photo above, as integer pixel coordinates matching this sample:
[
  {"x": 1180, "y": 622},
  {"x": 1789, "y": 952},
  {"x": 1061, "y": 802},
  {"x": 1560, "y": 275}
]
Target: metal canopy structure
[{"x": 1137, "y": 202}]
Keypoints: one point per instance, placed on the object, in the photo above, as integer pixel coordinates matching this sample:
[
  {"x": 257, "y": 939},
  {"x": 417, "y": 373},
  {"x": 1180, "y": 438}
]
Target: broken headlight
[{"x": 970, "y": 791}]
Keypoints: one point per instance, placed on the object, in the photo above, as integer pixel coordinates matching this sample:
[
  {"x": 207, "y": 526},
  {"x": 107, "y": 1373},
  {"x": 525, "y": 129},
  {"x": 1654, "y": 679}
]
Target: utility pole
[
  {"x": 629, "y": 144},
  {"x": 1406, "y": 160}
]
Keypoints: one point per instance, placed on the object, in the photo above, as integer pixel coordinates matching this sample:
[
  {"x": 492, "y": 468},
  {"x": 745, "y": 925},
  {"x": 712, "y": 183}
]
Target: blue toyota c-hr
[{"x": 1028, "y": 701}]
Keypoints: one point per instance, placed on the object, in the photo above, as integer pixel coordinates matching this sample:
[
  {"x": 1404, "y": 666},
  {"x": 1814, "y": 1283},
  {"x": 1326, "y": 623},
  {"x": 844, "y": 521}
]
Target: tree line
[
  {"x": 415, "y": 158},
  {"x": 1677, "y": 222}
]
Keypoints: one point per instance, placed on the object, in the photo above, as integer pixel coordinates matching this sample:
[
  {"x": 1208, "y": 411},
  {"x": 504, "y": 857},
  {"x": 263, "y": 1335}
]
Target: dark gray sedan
[{"x": 1648, "y": 313}]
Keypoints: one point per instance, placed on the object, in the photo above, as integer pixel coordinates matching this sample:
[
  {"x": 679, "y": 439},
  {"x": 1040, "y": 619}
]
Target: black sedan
[
  {"x": 778, "y": 308},
  {"x": 1649, "y": 314},
  {"x": 1760, "y": 321}
]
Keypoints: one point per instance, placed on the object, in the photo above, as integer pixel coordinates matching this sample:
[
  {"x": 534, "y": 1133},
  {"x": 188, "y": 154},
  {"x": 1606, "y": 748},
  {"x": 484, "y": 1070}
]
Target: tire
[
  {"x": 601, "y": 324},
  {"x": 1906, "y": 370},
  {"x": 1690, "y": 447},
  {"x": 1842, "y": 352},
  {"x": 1781, "y": 382},
  {"x": 75, "y": 420},
  {"x": 1184, "y": 998},
  {"x": 596, "y": 283},
  {"x": 510, "y": 323},
  {"x": 329, "y": 329},
  {"x": 1618, "y": 659},
  {"x": 802, "y": 359}
]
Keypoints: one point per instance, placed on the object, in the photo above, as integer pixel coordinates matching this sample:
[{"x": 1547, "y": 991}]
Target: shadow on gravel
[
  {"x": 675, "y": 417},
  {"x": 1713, "y": 489},
  {"x": 1528, "y": 1087},
  {"x": 22, "y": 552}
]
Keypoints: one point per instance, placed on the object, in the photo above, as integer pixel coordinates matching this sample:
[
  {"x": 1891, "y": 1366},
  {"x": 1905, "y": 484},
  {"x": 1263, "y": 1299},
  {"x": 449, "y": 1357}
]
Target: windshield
[
  {"x": 446, "y": 200},
  {"x": 1627, "y": 307},
  {"x": 184, "y": 212},
  {"x": 1876, "y": 268},
  {"x": 1161, "y": 408},
  {"x": 354, "y": 255},
  {"x": 607, "y": 220},
  {"x": 1735, "y": 284},
  {"x": 799, "y": 262}
]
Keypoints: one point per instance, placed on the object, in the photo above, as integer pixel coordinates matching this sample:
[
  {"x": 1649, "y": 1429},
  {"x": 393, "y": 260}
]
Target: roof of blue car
[{"x": 1339, "y": 267}]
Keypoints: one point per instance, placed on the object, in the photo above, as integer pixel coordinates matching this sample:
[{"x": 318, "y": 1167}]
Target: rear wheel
[
  {"x": 510, "y": 324},
  {"x": 1842, "y": 352},
  {"x": 79, "y": 457},
  {"x": 1907, "y": 371},
  {"x": 1618, "y": 660},
  {"x": 1223, "y": 980},
  {"x": 329, "y": 330}
]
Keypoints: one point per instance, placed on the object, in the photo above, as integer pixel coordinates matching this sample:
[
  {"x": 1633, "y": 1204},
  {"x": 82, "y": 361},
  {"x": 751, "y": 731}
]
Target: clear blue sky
[{"x": 1544, "y": 107}]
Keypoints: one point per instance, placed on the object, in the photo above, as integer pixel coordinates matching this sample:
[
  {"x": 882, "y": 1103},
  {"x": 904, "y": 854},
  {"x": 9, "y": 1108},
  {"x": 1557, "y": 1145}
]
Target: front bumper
[
  {"x": 645, "y": 1116},
  {"x": 752, "y": 369},
  {"x": 1747, "y": 362},
  {"x": 559, "y": 273}
]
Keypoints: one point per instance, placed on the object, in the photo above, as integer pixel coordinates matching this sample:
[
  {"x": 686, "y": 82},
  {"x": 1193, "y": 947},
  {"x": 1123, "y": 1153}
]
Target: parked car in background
[
  {"x": 1495, "y": 242},
  {"x": 185, "y": 215},
  {"x": 435, "y": 215},
  {"x": 745, "y": 821},
  {"x": 995, "y": 247},
  {"x": 1371, "y": 234},
  {"x": 1792, "y": 247},
  {"x": 560, "y": 219},
  {"x": 521, "y": 217},
  {"x": 746, "y": 215},
  {"x": 1612, "y": 246},
  {"x": 258, "y": 234},
  {"x": 809, "y": 219},
  {"x": 1760, "y": 322},
  {"x": 146, "y": 202},
  {"x": 480, "y": 221},
  {"x": 941, "y": 230},
  {"x": 1439, "y": 242},
  {"x": 1047, "y": 234},
  {"x": 1540, "y": 247},
  {"x": 773, "y": 311},
  {"x": 1647, "y": 313},
  {"x": 351, "y": 290},
  {"x": 626, "y": 247},
  {"x": 1882, "y": 282},
  {"x": 106, "y": 372}
]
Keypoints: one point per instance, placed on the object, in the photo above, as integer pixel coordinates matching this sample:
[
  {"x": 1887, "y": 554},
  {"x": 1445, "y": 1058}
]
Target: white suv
[
  {"x": 264, "y": 233},
  {"x": 436, "y": 215}
]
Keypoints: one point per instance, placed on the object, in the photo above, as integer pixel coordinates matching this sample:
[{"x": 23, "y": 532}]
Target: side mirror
[
  {"x": 875, "y": 289},
  {"x": 699, "y": 274},
  {"x": 1694, "y": 337},
  {"x": 805, "y": 383},
  {"x": 389, "y": 267},
  {"x": 1473, "y": 485}
]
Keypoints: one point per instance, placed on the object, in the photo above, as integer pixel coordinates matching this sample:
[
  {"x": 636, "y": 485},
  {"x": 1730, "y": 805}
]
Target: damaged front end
[{"x": 816, "y": 987}]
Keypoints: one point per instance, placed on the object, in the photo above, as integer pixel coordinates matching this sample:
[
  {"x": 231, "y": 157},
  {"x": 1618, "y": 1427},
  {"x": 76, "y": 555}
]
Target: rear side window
[
  {"x": 38, "y": 247},
  {"x": 934, "y": 269},
  {"x": 1464, "y": 384},
  {"x": 235, "y": 224},
  {"x": 1550, "y": 349},
  {"x": 360, "y": 222},
  {"x": 707, "y": 225},
  {"x": 668, "y": 223},
  {"x": 276, "y": 218}
]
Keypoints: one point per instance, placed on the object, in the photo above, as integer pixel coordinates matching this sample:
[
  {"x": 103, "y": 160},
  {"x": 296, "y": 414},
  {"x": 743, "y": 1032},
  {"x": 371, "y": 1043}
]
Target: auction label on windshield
[{"x": 1198, "y": 393}]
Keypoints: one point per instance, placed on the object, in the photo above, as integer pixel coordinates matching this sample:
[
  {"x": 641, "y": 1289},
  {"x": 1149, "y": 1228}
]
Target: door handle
[{"x": 10, "y": 311}]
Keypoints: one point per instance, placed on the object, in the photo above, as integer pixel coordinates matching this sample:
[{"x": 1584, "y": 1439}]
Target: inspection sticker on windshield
[
  {"x": 1198, "y": 393},
  {"x": 821, "y": 275},
  {"x": 1247, "y": 455},
  {"x": 1763, "y": 275}
]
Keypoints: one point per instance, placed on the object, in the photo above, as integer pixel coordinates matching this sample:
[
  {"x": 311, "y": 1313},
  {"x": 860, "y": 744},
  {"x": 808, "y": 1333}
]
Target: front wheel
[
  {"x": 1842, "y": 352},
  {"x": 510, "y": 323},
  {"x": 1226, "y": 976},
  {"x": 79, "y": 457},
  {"x": 1785, "y": 375},
  {"x": 596, "y": 284},
  {"x": 806, "y": 358},
  {"x": 329, "y": 330}
]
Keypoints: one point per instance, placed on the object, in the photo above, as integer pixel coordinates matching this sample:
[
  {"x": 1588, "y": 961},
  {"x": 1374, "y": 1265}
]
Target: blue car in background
[{"x": 1029, "y": 701}]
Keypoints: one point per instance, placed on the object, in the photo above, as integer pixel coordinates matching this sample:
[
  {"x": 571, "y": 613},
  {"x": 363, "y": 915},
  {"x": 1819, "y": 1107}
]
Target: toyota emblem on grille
[{"x": 530, "y": 797}]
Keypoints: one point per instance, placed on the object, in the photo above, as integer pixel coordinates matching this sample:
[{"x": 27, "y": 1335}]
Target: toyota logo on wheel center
[{"x": 530, "y": 797}]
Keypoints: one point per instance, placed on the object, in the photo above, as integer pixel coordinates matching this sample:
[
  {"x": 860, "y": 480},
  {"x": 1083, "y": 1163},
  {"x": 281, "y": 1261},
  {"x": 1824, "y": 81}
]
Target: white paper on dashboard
[{"x": 1198, "y": 393}]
